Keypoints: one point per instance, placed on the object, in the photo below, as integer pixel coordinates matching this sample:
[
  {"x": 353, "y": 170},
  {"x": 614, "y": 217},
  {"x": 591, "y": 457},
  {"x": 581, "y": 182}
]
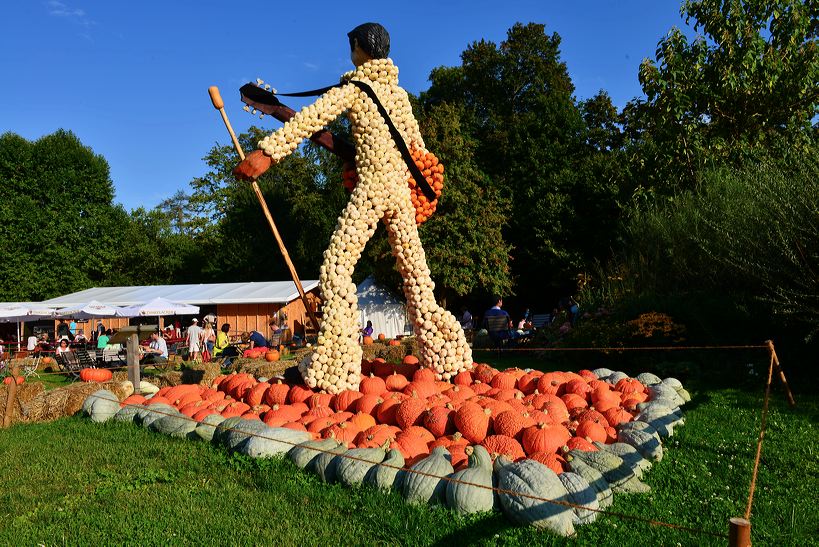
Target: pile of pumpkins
[{"x": 533, "y": 436}]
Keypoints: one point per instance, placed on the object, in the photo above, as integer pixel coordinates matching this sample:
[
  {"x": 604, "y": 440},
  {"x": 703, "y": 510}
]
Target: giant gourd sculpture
[{"x": 382, "y": 125}]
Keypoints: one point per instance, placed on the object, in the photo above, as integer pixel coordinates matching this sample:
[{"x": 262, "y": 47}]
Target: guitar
[{"x": 262, "y": 100}]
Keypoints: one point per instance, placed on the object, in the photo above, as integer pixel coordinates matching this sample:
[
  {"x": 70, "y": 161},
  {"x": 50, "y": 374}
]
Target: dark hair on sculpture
[{"x": 372, "y": 38}]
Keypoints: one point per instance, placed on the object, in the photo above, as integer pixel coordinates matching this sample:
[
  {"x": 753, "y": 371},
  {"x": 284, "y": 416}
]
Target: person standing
[
  {"x": 102, "y": 339},
  {"x": 208, "y": 338},
  {"x": 194, "y": 339},
  {"x": 72, "y": 327},
  {"x": 31, "y": 342}
]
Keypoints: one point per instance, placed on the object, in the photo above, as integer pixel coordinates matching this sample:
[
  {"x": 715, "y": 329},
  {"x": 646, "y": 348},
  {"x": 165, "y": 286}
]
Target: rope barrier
[
  {"x": 641, "y": 348},
  {"x": 762, "y": 428},
  {"x": 447, "y": 478}
]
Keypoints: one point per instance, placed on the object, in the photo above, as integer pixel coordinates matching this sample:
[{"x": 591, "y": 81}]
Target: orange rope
[{"x": 759, "y": 442}]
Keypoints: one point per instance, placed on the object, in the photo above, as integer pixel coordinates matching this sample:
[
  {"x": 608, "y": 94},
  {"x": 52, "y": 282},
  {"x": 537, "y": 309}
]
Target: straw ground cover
[{"x": 72, "y": 481}]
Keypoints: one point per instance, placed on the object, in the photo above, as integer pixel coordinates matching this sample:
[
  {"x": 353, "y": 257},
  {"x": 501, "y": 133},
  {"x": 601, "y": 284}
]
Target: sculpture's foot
[{"x": 442, "y": 344}]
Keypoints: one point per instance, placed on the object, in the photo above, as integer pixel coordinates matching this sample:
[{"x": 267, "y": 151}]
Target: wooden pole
[
  {"x": 132, "y": 360},
  {"x": 739, "y": 532},
  {"x": 219, "y": 104},
  {"x": 11, "y": 396},
  {"x": 779, "y": 371}
]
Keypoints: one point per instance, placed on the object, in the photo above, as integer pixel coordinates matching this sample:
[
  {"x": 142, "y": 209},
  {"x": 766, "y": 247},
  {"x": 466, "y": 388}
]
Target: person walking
[{"x": 194, "y": 340}]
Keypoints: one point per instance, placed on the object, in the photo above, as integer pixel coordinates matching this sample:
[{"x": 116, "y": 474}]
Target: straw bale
[
  {"x": 261, "y": 368},
  {"x": 66, "y": 401},
  {"x": 201, "y": 373}
]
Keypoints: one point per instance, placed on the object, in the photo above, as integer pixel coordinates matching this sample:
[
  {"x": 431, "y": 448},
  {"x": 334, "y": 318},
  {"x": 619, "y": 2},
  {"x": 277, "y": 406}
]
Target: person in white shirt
[
  {"x": 157, "y": 351},
  {"x": 31, "y": 343},
  {"x": 193, "y": 339}
]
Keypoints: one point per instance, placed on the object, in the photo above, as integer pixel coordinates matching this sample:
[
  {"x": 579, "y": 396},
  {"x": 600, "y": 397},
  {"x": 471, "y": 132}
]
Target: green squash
[
  {"x": 149, "y": 414},
  {"x": 325, "y": 465},
  {"x": 101, "y": 405},
  {"x": 629, "y": 455},
  {"x": 272, "y": 441},
  {"x": 175, "y": 426},
  {"x": 390, "y": 474},
  {"x": 431, "y": 486},
  {"x": 532, "y": 478},
  {"x": 580, "y": 493},
  {"x": 594, "y": 478},
  {"x": 646, "y": 444},
  {"x": 353, "y": 465},
  {"x": 207, "y": 427},
  {"x": 303, "y": 454},
  {"x": 466, "y": 498}
]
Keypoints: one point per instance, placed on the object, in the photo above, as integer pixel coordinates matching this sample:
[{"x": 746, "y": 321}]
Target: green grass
[{"x": 76, "y": 482}]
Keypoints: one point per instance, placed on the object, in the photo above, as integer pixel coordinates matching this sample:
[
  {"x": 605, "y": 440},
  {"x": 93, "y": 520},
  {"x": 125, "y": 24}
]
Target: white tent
[
  {"x": 385, "y": 310},
  {"x": 21, "y": 312}
]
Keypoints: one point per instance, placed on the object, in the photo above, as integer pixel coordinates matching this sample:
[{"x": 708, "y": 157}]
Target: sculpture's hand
[{"x": 253, "y": 166}]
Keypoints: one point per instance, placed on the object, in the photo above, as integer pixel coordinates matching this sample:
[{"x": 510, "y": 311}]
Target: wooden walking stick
[{"x": 219, "y": 104}]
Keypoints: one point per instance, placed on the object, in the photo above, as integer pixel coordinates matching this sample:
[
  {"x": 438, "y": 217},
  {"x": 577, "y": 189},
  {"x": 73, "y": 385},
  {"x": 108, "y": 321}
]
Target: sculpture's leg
[
  {"x": 441, "y": 340},
  {"x": 335, "y": 364}
]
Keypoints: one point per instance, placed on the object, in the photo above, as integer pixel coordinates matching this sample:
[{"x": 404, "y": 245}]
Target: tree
[
  {"x": 534, "y": 146},
  {"x": 56, "y": 211},
  {"x": 747, "y": 84}
]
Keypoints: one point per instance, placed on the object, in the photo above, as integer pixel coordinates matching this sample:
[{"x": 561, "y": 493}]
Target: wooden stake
[
  {"x": 11, "y": 396},
  {"x": 739, "y": 532},
  {"x": 219, "y": 104},
  {"x": 775, "y": 360},
  {"x": 132, "y": 360}
]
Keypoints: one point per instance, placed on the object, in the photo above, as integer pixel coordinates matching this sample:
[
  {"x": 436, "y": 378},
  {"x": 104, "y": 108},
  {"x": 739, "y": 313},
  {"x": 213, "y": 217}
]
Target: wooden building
[{"x": 244, "y": 306}]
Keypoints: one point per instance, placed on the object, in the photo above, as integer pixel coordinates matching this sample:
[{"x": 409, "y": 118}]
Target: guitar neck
[{"x": 267, "y": 103}]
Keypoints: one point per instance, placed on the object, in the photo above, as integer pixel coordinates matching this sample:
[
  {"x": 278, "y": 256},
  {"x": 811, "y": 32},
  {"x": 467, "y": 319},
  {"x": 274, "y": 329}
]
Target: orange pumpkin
[
  {"x": 381, "y": 336},
  {"x": 368, "y": 340},
  {"x": 47, "y": 361},
  {"x": 7, "y": 380},
  {"x": 95, "y": 375},
  {"x": 271, "y": 356},
  {"x": 394, "y": 343}
]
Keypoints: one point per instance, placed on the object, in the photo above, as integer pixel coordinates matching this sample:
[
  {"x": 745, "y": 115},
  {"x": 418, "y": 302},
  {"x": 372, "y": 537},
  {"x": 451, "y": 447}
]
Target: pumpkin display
[
  {"x": 9, "y": 379},
  {"x": 440, "y": 429}
]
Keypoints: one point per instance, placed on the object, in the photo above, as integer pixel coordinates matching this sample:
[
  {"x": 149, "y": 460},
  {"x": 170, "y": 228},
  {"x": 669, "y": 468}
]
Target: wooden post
[
  {"x": 132, "y": 359},
  {"x": 739, "y": 532},
  {"x": 11, "y": 396},
  {"x": 219, "y": 104},
  {"x": 775, "y": 360}
]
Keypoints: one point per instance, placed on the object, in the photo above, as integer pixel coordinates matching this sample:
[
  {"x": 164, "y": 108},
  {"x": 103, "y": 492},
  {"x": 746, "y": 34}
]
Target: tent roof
[{"x": 260, "y": 292}]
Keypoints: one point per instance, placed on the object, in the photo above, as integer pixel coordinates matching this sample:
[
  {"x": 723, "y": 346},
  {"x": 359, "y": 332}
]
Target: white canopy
[
  {"x": 89, "y": 310},
  {"x": 158, "y": 306},
  {"x": 387, "y": 312},
  {"x": 22, "y": 312}
]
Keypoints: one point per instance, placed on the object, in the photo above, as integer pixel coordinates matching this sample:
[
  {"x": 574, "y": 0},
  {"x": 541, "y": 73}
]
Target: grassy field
[{"x": 76, "y": 482}]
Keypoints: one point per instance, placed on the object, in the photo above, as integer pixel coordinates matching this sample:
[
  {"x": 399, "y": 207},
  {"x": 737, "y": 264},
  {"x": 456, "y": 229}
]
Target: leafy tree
[
  {"x": 747, "y": 84},
  {"x": 56, "y": 211},
  {"x": 534, "y": 144}
]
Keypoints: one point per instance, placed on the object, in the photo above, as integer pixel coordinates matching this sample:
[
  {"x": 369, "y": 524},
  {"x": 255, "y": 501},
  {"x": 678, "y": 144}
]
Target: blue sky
[{"x": 131, "y": 78}]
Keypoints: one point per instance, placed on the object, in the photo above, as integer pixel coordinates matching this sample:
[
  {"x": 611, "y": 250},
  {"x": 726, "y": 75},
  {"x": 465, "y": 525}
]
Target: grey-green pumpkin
[
  {"x": 477, "y": 495},
  {"x": 533, "y": 483},
  {"x": 580, "y": 493},
  {"x": 353, "y": 465},
  {"x": 302, "y": 454},
  {"x": 425, "y": 481},
  {"x": 390, "y": 474}
]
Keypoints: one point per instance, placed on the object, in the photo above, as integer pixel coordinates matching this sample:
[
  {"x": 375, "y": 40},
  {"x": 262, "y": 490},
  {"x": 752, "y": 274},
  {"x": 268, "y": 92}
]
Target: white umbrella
[
  {"x": 25, "y": 312},
  {"x": 89, "y": 311},
  {"x": 158, "y": 306},
  {"x": 20, "y": 313}
]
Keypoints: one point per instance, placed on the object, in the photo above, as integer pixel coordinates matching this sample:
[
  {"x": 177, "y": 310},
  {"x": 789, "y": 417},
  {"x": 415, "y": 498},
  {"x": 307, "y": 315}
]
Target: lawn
[{"x": 76, "y": 482}]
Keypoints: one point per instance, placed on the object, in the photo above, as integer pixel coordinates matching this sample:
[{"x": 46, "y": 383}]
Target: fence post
[
  {"x": 779, "y": 371},
  {"x": 739, "y": 532},
  {"x": 11, "y": 396},
  {"x": 132, "y": 359}
]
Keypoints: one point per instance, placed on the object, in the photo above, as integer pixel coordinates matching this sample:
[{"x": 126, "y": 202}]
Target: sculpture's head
[{"x": 368, "y": 41}]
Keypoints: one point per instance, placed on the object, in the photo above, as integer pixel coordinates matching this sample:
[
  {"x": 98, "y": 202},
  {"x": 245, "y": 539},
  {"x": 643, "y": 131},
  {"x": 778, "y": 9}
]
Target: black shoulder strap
[{"x": 416, "y": 173}]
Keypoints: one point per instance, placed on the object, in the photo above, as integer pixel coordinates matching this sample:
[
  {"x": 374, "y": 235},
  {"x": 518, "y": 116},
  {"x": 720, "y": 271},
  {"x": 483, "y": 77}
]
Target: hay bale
[
  {"x": 260, "y": 367},
  {"x": 166, "y": 379},
  {"x": 201, "y": 373},
  {"x": 67, "y": 401},
  {"x": 120, "y": 376}
]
